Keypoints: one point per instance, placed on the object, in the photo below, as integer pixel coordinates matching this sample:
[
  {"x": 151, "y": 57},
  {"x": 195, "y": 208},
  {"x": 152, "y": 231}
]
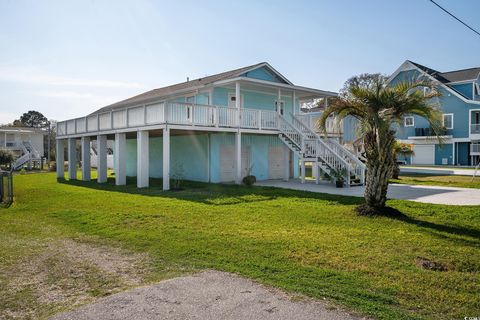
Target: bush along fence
[{"x": 6, "y": 188}]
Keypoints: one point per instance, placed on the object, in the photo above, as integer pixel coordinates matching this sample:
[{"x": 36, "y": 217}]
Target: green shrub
[
  {"x": 249, "y": 180},
  {"x": 6, "y": 158}
]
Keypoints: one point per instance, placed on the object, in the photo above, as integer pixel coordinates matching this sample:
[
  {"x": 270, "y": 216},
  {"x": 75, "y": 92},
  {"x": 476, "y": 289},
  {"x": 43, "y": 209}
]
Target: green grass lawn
[
  {"x": 438, "y": 180},
  {"x": 306, "y": 243}
]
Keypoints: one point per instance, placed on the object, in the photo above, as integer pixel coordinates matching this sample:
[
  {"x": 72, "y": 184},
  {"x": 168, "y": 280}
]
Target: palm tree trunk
[{"x": 380, "y": 165}]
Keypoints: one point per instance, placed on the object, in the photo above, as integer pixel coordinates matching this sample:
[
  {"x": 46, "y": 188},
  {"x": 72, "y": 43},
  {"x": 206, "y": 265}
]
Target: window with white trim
[
  {"x": 408, "y": 122},
  {"x": 447, "y": 120}
]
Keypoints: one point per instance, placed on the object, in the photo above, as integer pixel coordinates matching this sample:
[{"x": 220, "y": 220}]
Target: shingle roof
[
  {"x": 434, "y": 73},
  {"x": 161, "y": 92},
  {"x": 450, "y": 76},
  {"x": 461, "y": 75}
]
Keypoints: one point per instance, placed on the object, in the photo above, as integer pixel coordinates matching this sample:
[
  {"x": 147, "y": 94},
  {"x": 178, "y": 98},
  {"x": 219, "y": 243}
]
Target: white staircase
[
  {"x": 327, "y": 154},
  {"x": 29, "y": 154}
]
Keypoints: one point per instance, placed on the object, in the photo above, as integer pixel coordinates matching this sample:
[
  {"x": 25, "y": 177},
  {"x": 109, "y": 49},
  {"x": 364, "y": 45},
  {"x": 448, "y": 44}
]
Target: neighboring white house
[{"x": 26, "y": 144}]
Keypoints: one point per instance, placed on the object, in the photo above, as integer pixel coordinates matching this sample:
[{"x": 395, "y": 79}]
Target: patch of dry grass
[{"x": 57, "y": 273}]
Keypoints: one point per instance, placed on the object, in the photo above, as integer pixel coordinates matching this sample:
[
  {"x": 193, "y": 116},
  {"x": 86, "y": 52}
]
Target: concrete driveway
[
  {"x": 210, "y": 295},
  {"x": 425, "y": 194}
]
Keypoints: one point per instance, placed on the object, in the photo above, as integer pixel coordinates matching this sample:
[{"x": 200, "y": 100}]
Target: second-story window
[
  {"x": 448, "y": 120},
  {"x": 408, "y": 122}
]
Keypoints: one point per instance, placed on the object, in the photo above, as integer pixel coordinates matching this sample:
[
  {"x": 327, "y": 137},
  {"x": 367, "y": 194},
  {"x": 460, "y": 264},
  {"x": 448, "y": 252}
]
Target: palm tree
[{"x": 379, "y": 108}]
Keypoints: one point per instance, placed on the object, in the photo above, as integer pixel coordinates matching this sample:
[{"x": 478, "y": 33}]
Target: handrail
[
  {"x": 338, "y": 147},
  {"x": 295, "y": 135},
  {"x": 20, "y": 161},
  {"x": 358, "y": 167}
]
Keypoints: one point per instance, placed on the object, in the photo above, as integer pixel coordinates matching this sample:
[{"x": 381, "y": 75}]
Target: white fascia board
[
  {"x": 278, "y": 85},
  {"x": 409, "y": 66}
]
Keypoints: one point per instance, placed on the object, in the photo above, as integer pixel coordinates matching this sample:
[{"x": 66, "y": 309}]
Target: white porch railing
[
  {"x": 475, "y": 149},
  {"x": 170, "y": 112},
  {"x": 475, "y": 128},
  {"x": 331, "y": 125}
]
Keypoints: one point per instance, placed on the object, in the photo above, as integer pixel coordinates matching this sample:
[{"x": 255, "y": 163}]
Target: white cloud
[{"x": 33, "y": 76}]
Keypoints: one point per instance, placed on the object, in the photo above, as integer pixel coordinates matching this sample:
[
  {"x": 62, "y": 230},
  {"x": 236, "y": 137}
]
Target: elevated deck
[{"x": 179, "y": 115}]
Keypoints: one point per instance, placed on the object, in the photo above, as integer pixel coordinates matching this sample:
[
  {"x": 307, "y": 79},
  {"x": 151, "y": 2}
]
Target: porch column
[
  {"x": 317, "y": 172},
  {"x": 237, "y": 102},
  {"x": 294, "y": 106},
  {"x": 238, "y": 157},
  {"x": 302, "y": 164},
  {"x": 85, "y": 158},
  {"x": 101, "y": 158},
  {"x": 286, "y": 163},
  {"x": 120, "y": 159},
  {"x": 166, "y": 158},
  {"x": 143, "y": 170},
  {"x": 60, "y": 158},
  {"x": 453, "y": 153},
  {"x": 238, "y": 137},
  {"x": 72, "y": 159},
  {"x": 279, "y": 97}
]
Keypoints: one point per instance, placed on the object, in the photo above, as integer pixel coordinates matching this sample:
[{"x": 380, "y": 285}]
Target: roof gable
[{"x": 267, "y": 73}]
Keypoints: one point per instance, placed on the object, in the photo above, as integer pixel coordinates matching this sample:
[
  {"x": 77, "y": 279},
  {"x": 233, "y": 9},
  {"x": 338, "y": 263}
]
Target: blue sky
[{"x": 68, "y": 58}]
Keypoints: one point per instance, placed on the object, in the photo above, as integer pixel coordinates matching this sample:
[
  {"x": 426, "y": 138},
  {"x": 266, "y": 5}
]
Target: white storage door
[
  {"x": 276, "y": 163},
  {"x": 227, "y": 162},
  {"x": 424, "y": 154}
]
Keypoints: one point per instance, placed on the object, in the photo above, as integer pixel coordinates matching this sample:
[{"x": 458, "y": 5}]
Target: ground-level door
[
  {"x": 227, "y": 162},
  {"x": 276, "y": 162},
  {"x": 423, "y": 154}
]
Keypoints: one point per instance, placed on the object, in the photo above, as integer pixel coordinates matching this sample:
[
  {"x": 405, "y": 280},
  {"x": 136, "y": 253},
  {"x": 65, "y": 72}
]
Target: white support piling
[
  {"x": 120, "y": 165},
  {"x": 86, "y": 168}
]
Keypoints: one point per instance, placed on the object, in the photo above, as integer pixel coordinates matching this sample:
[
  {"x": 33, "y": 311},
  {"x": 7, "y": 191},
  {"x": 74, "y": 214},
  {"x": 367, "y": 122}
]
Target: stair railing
[
  {"x": 293, "y": 134},
  {"x": 357, "y": 167},
  {"x": 21, "y": 161}
]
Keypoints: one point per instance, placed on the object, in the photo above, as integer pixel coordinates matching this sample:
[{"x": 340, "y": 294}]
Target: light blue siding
[
  {"x": 263, "y": 74},
  {"x": 254, "y": 100},
  {"x": 466, "y": 89},
  {"x": 448, "y": 103},
  {"x": 443, "y": 151},
  {"x": 463, "y": 153},
  {"x": 192, "y": 153},
  {"x": 350, "y": 129},
  {"x": 188, "y": 151}
]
